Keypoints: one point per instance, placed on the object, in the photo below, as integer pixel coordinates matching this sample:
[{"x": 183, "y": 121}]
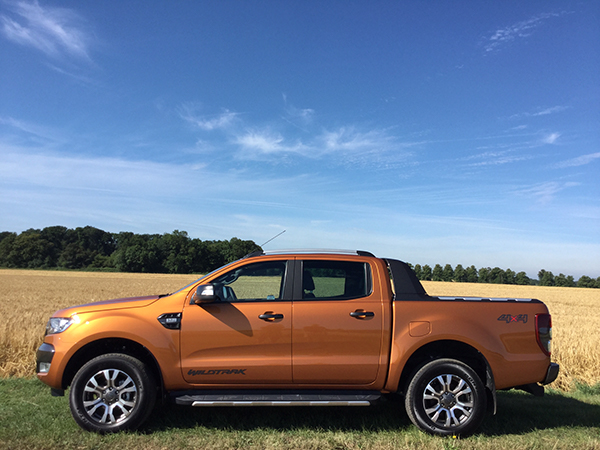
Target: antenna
[{"x": 276, "y": 236}]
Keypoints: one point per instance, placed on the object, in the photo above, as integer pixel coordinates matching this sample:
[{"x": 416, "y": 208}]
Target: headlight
[{"x": 58, "y": 325}]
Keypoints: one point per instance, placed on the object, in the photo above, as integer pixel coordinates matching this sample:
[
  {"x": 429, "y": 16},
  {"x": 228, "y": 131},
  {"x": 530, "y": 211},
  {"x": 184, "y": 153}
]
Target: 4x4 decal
[{"x": 508, "y": 318}]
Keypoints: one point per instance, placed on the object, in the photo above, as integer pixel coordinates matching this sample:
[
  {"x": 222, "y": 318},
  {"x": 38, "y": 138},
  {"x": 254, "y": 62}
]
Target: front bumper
[
  {"x": 551, "y": 374},
  {"x": 44, "y": 357}
]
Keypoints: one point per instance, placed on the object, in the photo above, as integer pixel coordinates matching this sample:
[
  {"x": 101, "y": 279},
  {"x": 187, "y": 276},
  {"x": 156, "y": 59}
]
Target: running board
[{"x": 276, "y": 398}]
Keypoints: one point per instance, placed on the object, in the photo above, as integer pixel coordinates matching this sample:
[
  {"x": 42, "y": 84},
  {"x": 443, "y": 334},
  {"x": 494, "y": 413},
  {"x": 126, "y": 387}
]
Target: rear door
[{"x": 337, "y": 323}]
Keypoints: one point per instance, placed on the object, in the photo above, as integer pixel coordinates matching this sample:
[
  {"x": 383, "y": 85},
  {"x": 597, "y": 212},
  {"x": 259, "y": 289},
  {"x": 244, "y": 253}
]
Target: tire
[
  {"x": 446, "y": 397},
  {"x": 111, "y": 393}
]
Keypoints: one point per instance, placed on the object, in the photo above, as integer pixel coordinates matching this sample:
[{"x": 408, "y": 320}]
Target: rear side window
[{"x": 335, "y": 280}]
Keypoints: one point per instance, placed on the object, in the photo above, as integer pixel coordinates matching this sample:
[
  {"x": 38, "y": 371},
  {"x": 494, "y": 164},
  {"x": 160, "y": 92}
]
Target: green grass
[{"x": 30, "y": 418}]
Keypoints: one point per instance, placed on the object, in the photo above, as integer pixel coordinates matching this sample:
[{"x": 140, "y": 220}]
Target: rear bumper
[
  {"x": 537, "y": 389},
  {"x": 551, "y": 374}
]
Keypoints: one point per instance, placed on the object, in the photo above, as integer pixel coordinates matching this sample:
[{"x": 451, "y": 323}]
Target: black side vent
[{"x": 172, "y": 321}]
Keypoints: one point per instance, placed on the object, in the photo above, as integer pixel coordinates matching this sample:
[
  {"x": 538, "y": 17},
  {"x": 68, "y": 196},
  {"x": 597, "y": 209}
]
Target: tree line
[
  {"x": 496, "y": 275},
  {"x": 89, "y": 248}
]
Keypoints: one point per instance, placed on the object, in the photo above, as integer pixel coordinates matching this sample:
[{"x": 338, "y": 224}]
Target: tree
[
  {"x": 471, "y": 274},
  {"x": 438, "y": 273},
  {"x": 496, "y": 276},
  {"x": 418, "y": 271},
  {"x": 510, "y": 277},
  {"x": 74, "y": 256},
  {"x": 237, "y": 248},
  {"x": 59, "y": 237},
  {"x": 80, "y": 247},
  {"x": 546, "y": 278},
  {"x": 6, "y": 234},
  {"x": 7, "y": 240},
  {"x": 460, "y": 275},
  {"x": 426, "y": 273},
  {"x": 448, "y": 273},
  {"x": 96, "y": 240},
  {"x": 484, "y": 273},
  {"x": 564, "y": 281},
  {"x": 29, "y": 251},
  {"x": 584, "y": 281},
  {"x": 522, "y": 279},
  {"x": 137, "y": 258},
  {"x": 177, "y": 258}
]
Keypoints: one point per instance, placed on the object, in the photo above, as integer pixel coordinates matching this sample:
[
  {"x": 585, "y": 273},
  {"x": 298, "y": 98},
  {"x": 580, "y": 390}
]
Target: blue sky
[{"x": 434, "y": 132}]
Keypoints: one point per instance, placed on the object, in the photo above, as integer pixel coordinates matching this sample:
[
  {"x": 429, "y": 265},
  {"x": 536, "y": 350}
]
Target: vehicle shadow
[{"x": 518, "y": 413}]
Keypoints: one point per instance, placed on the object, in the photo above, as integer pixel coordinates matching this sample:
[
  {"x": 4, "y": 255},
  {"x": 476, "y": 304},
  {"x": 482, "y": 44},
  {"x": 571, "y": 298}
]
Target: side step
[{"x": 276, "y": 398}]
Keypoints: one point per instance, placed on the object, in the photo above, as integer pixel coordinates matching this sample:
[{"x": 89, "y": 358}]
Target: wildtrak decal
[
  {"x": 508, "y": 318},
  {"x": 193, "y": 372}
]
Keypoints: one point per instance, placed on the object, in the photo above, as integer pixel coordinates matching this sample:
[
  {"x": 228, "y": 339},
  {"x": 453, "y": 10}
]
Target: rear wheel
[
  {"x": 111, "y": 393},
  {"x": 446, "y": 397}
]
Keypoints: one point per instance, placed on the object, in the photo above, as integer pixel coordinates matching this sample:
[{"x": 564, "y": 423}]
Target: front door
[{"x": 245, "y": 337}]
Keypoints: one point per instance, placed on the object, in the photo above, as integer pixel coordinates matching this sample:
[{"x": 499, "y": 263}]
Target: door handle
[
  {"x": 270, "y": 316},
  {"x": 359, "y": 314}
]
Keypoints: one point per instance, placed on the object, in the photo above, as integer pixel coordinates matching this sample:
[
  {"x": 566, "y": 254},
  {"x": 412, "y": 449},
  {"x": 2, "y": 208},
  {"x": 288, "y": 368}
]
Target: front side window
[
  {"x": 258, "y": 281},
  {"x": 335, "y": 280}
]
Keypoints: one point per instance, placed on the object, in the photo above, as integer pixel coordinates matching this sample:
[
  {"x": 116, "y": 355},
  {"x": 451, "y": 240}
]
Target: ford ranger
[{"x": 298, "y": 328}]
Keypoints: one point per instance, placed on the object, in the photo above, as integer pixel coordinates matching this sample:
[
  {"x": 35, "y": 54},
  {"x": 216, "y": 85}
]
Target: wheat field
[{"x": 28, "y": 298}]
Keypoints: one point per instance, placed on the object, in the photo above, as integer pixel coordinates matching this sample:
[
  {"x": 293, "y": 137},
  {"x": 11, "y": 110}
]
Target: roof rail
[{"x": 310, "y": 251}]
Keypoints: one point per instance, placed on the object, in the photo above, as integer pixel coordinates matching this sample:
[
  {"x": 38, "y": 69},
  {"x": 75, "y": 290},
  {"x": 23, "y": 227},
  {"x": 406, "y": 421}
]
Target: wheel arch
[
  {"x": 457, "y": 350},
  {"x": 111, "y": 345}
]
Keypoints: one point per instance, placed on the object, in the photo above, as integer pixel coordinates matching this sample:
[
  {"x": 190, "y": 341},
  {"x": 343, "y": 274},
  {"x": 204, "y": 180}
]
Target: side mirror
[{"x": 205, "y": 293}]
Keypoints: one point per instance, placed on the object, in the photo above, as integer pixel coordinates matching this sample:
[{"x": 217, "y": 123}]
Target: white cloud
[
  {"x": 32, "y": 132},
  {"x": 300, "y": 118},
  {"x": 494, "y": 158},
  {"x": 579, "y": 161},
  {"x": 220, "y": 121},
  {"x": 519, "y": 30},
  {"x": 84, "y": 79},
  {"x": 304, "y": 115},
  {"x": 271, "y": 141},
  {"x": 57, "y": 32},
  {"x": 545, "y": 193},
  {"x": 550, "y": 138},
  {"x": 540, "y": 112},
  {"x": 340, "y": 146},
  {"x": 545, "y": 112},
  {"x": 41, "y": 188},
  {"x": 264, "y": 142},
  {"x": 347, "y": 139}
]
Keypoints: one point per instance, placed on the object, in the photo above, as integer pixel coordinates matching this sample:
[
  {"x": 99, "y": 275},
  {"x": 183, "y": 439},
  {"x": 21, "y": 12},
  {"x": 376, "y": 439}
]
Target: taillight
[{"x": 543, "y": 332}]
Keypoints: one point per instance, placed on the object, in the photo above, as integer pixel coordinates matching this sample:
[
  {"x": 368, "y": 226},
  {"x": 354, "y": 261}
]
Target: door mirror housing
[{"x": 205, "y": 293}]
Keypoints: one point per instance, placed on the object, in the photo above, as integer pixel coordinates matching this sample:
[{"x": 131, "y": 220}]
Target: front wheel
[
  {"x": 446, "y": 397},
  {"x": 111, "y": 393}
]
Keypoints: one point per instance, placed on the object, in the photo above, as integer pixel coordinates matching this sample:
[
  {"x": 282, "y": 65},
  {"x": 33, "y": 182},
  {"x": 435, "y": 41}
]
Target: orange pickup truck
[{"x": 298, "y": 328}]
